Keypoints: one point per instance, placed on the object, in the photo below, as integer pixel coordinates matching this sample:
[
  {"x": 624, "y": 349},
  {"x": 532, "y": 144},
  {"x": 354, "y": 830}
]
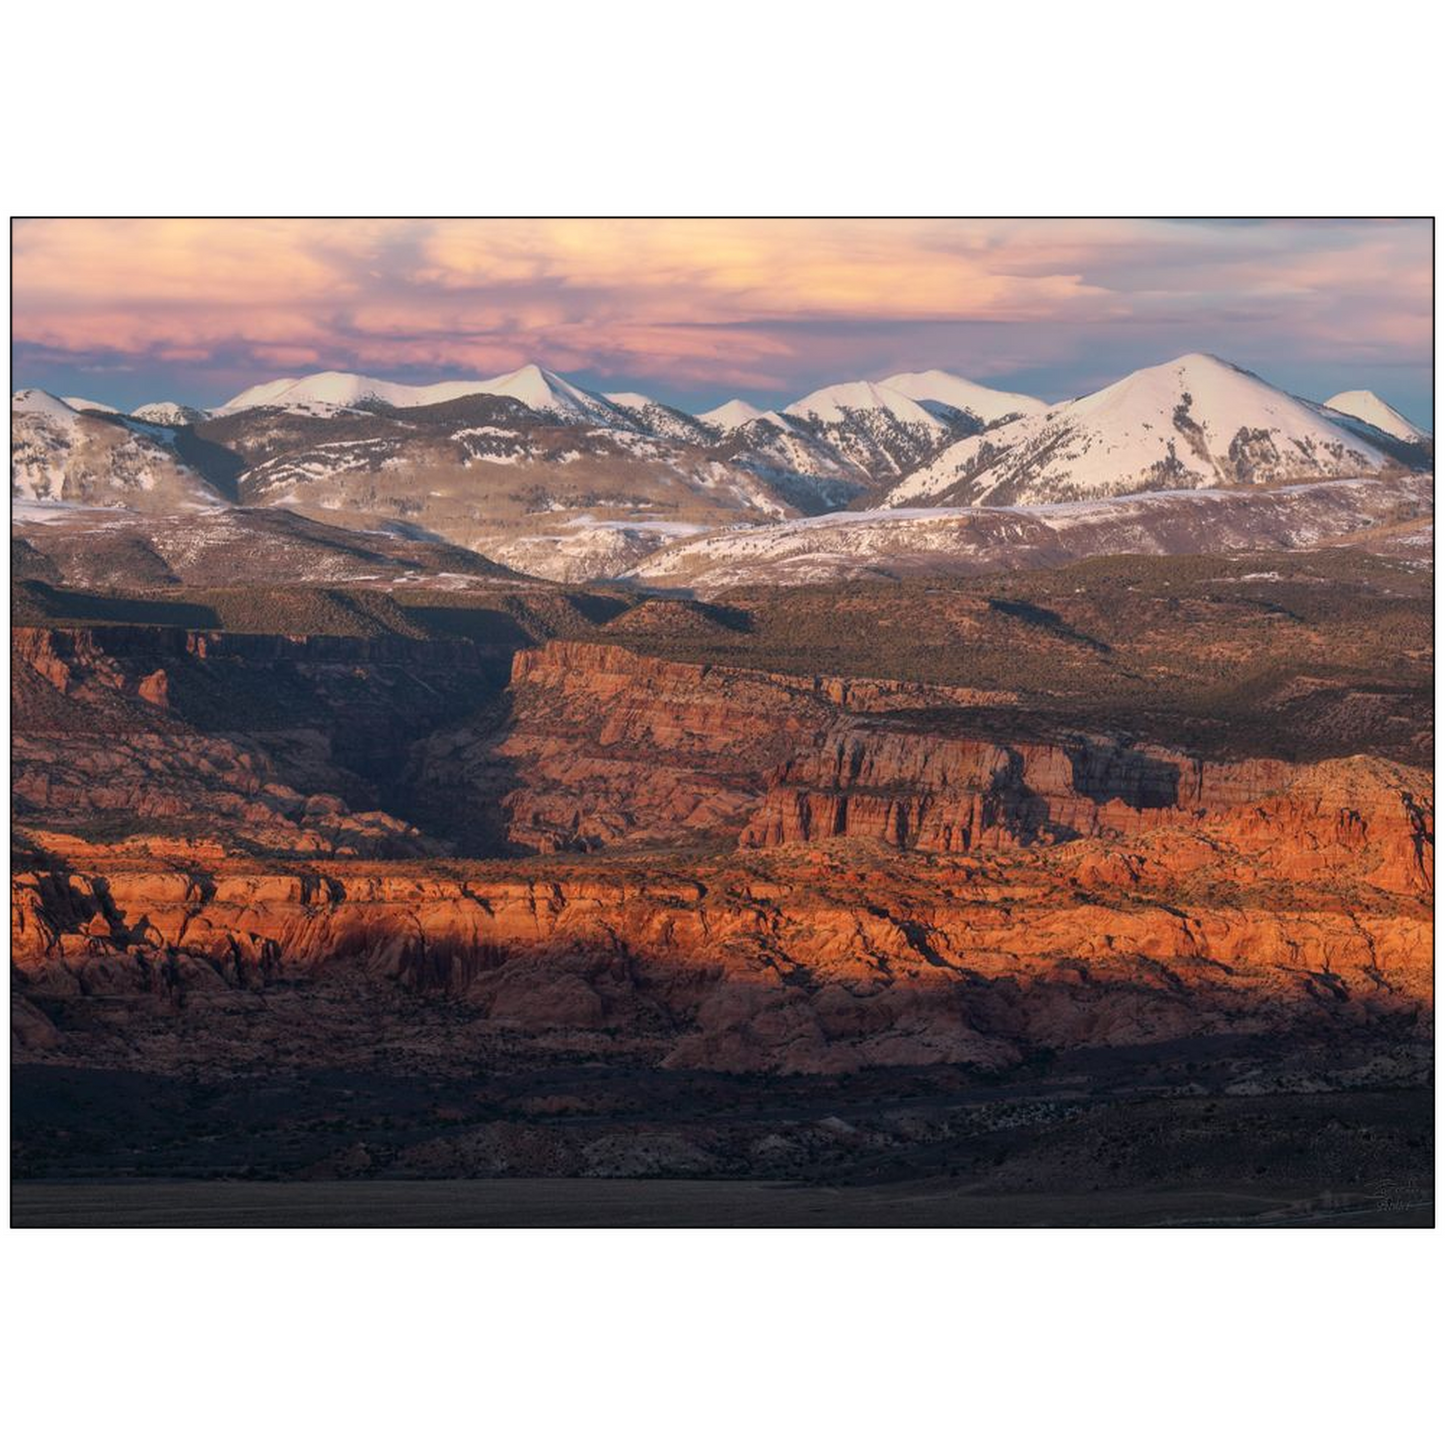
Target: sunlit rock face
[{"x": 784, "y": 873}]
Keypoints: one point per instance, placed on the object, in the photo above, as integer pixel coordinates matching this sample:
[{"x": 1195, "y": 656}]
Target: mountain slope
[
  {"x": 660, "y": 420},
  {"x": 58, "y": 454},
  {"x": 551, "y": 395},
  {"x": 1194, "y": 422},
  {"x": 1367, "y": 407},
  {"x": 569, "y": 502},
  {"x": 983, "y": 402},
  {"x": 792, "y": 455},
  {"x": 79, "y": 403},
  {"x": 901, "y": 541},
  {"x": 120, "y": 548},
  {"x": 170, "y": 413},
  {"x": 878, "y": 432}
]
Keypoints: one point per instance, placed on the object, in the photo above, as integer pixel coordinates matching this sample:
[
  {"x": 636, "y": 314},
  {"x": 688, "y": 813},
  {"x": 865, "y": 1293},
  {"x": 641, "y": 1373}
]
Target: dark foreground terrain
[
  {"x": 570, "y": 1203},
  {"x": 1223, "y": 1131}
]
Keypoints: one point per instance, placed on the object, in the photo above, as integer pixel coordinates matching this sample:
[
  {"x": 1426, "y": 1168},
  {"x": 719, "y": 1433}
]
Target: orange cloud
[
  {"x": 761, "y": 269},
  {"x": 725, "y": 301}
]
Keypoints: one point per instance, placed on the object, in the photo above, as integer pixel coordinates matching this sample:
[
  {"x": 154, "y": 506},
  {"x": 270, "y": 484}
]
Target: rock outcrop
[
  {"x": 1297, "y": 914},
  {"x": 261, "y": 743},
  {"x": 805, "y": 874},
  {"x": 601, "y": 747}
]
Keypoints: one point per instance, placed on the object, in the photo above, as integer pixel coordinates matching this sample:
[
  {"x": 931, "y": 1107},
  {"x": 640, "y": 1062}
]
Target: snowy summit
[{"x": 1367, "y": 407}]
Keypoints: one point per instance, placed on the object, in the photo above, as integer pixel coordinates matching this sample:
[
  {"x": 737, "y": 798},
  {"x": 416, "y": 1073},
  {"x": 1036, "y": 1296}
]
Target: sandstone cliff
[
  {"x": 806, "y": 873},
  {"x": 259, "y": 742},
  {"x": 601, "y": 747},
  {"x": 798, "y": 959}
]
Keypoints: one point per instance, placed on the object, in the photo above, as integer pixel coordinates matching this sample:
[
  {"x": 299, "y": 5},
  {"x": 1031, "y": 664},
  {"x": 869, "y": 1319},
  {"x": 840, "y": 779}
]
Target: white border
[{"x": 744, "y": 108}]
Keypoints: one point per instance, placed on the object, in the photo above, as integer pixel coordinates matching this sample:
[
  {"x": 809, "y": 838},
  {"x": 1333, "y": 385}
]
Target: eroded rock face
[
  {"x": 601, "y": 747},
  {"x": 264, "y": 743},
  {"x": 1288, "y": 914},
  {"x": 838, "y": 874},
  {"x": 607, "y": 747}
]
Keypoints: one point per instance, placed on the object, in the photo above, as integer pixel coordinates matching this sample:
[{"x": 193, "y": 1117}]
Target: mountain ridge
[
  {"x": 1196, "y": 421},
  {"x": 550, "y": 478}
]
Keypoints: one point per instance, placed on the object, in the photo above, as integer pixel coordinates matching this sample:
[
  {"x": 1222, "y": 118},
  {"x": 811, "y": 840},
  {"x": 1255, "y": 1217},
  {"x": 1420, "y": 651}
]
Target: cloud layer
[{"x": 696, "y": 310}]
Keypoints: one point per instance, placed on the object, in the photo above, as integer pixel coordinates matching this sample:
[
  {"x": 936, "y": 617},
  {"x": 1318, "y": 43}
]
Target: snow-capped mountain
[
  {"x": 791, "y": 454},
  {"x": 1367, "y": 407},
  {"x": 878, "y": 430},
  {"x": 327, "y": 391},
  {"x": 551, "y": 395},
  {"x": 1194, "y": 422},
  {"x": 550, "y": 478},
  {"x": 60, "y": 454},
  {"x": 527, "y": 468},
  {"x": 545, "y": 392},
  {"x": 660, "y": 420},
  {"x": 170, "y": 413},
  {"x": 983, "y": 402},
  {"x": 79, "y": 403},
  {"x": 563, "y": 500},
  {"x": 730, "y": 415},
  {"x": 31, "y": 402},
  {"x": 835, "y": 404}
]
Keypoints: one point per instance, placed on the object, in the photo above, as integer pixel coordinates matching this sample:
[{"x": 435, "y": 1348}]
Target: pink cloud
[{"x": 735, "y": 303}]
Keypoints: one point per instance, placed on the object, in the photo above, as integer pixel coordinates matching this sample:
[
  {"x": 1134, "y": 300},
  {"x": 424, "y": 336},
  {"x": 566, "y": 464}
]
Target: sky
[{"x": 696, "y": 311}]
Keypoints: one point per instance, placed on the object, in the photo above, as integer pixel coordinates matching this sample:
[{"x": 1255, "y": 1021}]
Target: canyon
[{"x": 560, "y": 842}]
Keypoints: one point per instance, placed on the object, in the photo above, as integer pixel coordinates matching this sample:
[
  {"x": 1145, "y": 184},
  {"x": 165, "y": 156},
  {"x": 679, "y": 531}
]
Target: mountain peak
[
  {"x": 169, "y": 413},
  {"x": 731, "y": 414},
  {"x": 528, "y": 371},
  {"x": 957, "y": 391},
  {"x": 1205, "y": 359},
  {"x": 833, "y": 403},
  {"x": 545, "y": 391},
  {"x": 34, "y": 401},
  {"x": 1365, "y": 406},
  {"x": 1212, "y": 384},
  {"x": 1195, "y": 422}
]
